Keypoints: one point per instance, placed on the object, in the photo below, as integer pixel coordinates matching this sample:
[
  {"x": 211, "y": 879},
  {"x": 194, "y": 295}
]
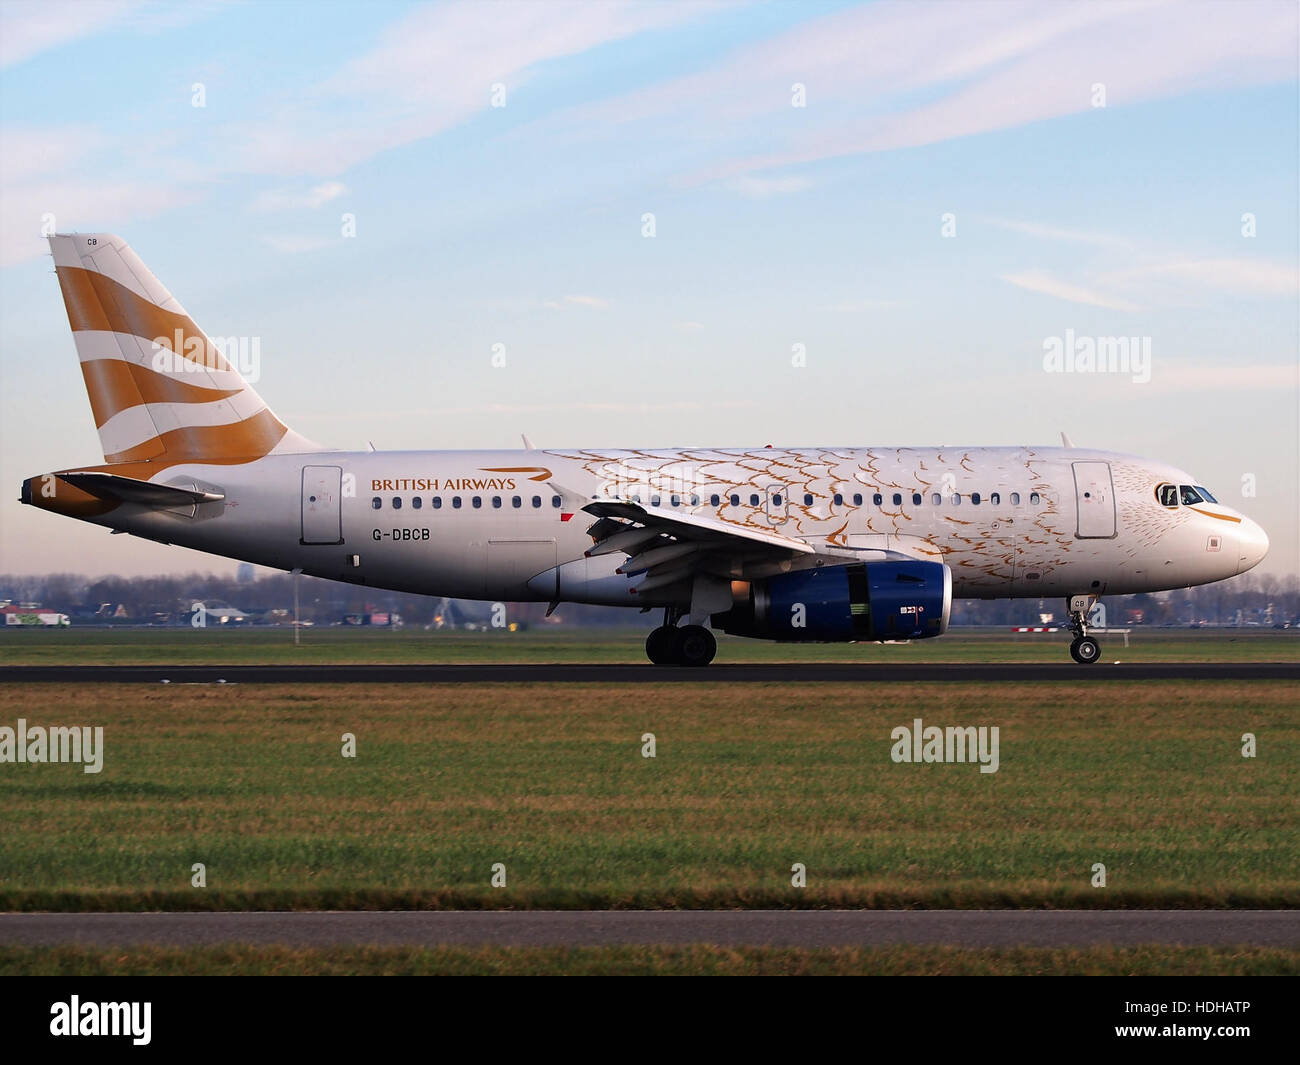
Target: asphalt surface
[
  {"x": 540, "y": 928},
  {"x": 648, "y": 674}
]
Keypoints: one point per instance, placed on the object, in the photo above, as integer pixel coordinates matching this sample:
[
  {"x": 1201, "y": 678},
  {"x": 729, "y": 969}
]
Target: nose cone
[{"x": 1252, "y": 545}]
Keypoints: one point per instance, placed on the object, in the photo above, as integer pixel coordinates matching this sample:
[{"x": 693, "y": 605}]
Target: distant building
[
  {"x": 389, "y": 620},
  {"x": 223, "y": 614},
  {"x": 244, "y": 573}
]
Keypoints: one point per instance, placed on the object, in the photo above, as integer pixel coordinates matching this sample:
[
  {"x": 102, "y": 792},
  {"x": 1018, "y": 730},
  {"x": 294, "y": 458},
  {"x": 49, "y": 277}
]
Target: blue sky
[{"x": 775, "y": 225}]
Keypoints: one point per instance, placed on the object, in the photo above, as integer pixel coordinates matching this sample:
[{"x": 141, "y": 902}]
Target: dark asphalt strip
[{"x": 782, "y": 928}]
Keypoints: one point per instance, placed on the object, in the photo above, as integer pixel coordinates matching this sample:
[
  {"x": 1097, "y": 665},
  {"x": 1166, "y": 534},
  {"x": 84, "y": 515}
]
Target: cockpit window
[
  {"x": 1167, "y": 494},
  {"x": 1189, "y": 495},
  {"x": 1206, "y": 495}
]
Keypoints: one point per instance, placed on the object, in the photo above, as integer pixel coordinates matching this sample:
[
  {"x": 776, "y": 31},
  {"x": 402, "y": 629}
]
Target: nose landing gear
[{"x": 1084, "y": 649}]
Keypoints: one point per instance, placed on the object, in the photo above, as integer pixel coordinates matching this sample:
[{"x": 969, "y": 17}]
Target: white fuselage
[{"x": 507, "y": 525}]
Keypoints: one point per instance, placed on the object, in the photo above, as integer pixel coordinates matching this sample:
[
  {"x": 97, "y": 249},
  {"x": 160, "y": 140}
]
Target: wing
[{"x": 670, "y": 546}]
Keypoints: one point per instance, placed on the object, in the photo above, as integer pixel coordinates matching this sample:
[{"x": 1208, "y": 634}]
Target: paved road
[
  {"x": 625, "y": 674},
  {"x": 801, "y": 928}
]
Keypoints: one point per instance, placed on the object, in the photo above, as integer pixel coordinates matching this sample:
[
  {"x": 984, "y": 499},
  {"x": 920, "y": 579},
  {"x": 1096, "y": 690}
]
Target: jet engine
[{"x": 903, "y": 600}]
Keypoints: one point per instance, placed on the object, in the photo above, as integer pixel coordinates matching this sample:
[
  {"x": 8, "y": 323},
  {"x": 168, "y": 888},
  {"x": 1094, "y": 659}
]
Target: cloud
[
  {"x": 1225, "y": 378},
  {"x": 300, "y": 199},
  {"x": 759, "y": 188},
  {"x": 862, "y": 306},
  {"x": 43, "y": 187},
  {"x": 34, "y": 26},
  {"x": 576, "y": 301},
  {"x": 430, "y": 71},
  {"x": 1064, "y": 290},
  {"x": 1254, "y": 276},
  {"x": 886, "y": 76},
  {"x": 30, "y": 27},
  {"x": 1045, "y": 232}
]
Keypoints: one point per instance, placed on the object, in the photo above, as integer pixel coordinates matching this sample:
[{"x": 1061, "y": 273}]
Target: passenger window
[
  {"x": 807, "y": 499},
  {"x": 753, "y": 501},
  {"x": 397, "y": 502},
  {"x": 839, "y": 500},
  {"x": 676, "y": 500},
  {"x": 936, "y": 499},
  {"x": 695, "y": 500},
  {"x": 1015, "y": 499},
  {"x": 776, "y": 500},
  {"x": 916, "y": 499},
  {"x": 537, "y": 502},
  {"x": 857, "y": 499},
  {"x": 654, "y": 500},
  {"x": 877, "y": 499},
  {"x": 455, "y": 502},
  {"x": 1034, "y": 499},
  {"x": 496, "y": 502},
  {"x": 715, "y": 500},
  {"x": 975, "y": 499},
  {"x": 437, "y": 502},
  {"x": 476, "y": 502},
  {"x": 376, "y": 503},
  {"x": 417, "y": 503},
  {"x": 555, "y": 502},
  {"x": 516, "y": 502},
  {"x": 898, "y": 499},
  {"x": 735, "y": 500},
  {"x": 1189, "y": 495},
  {"x": 994, "y": 499}
]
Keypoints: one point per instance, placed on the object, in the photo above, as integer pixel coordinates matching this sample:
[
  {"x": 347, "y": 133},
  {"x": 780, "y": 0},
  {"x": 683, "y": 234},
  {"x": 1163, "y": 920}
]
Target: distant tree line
[{"x": 1249, "y": 599}]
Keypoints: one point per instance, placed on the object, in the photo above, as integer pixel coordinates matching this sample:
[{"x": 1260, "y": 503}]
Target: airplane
[{"x": 791, "y": 544}]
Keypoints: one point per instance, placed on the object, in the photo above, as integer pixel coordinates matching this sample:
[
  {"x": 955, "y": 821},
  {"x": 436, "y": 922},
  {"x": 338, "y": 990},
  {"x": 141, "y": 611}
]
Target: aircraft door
[
  {"x": 777, "y": 503},
  {"x": 322, "y": 519},
  {"x": 1095, "y": 495}
]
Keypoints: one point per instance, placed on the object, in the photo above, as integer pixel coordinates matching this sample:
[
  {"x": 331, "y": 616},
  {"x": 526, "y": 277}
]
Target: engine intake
[{"x": 904, "y": 600}]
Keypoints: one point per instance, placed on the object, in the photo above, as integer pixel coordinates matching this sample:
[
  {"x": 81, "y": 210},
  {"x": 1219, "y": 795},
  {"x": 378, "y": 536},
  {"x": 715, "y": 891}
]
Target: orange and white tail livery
[
  {"x": 160, "y": 389},
  {"x": 824, "y": 543}
]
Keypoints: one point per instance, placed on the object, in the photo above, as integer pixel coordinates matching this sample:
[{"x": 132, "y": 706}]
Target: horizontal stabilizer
[{"x": 130, "y": 490}]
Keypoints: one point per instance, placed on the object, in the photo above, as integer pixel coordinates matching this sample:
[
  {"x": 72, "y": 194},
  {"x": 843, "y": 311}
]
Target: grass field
[
  {"x": 180, "y": 646},
  {"x": 645, "y": 961},
  {"x": 1147, "y": 778}
]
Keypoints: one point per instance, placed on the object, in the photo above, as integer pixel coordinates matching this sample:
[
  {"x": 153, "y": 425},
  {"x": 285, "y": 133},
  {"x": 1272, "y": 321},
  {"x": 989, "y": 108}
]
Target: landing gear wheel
[
  {"x": 660, "y": 646},
  {"x": 1085, "y": 650},
  {"x": 695, "y": 646}
]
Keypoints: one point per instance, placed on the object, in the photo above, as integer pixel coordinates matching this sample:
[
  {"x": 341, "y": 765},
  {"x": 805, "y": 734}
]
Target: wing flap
[{"x": 693, "y": 528}]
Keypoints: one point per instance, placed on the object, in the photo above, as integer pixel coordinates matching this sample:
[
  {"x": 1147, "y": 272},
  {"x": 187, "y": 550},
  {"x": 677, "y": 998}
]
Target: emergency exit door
[
  {"x": 1095, "y": 494},
  {"x": 322, "y": 518}
]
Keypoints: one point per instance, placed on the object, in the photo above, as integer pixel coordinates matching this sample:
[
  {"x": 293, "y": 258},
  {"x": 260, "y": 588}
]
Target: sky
[{"x": 616, "y": 224}]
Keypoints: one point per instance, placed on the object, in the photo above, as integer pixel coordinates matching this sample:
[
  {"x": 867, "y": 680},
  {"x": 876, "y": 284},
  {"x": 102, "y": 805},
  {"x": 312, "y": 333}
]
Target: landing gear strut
[
  {"x": 1084, "y": 649},
  {"x": 690, "y": 645}
]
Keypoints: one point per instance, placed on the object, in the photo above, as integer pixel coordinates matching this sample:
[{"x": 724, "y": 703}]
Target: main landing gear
[
  {"x": 1084, "y": 649},
  {"x": 690, "y": 645}
]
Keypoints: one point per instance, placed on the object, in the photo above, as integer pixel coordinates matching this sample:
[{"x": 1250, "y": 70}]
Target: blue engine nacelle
[{"x": 904, "y": 600}]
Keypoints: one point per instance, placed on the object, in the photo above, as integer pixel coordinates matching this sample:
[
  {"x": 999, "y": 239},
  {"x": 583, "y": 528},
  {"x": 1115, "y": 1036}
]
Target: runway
[
  {"x": 765, "y": 673},
  {"x": 777, "y": 928}
]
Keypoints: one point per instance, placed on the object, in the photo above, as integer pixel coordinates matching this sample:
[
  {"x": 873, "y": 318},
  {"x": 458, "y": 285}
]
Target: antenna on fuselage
[
  {"x": 1065, "y": 440},
  {"x": 528, "y": 444}
]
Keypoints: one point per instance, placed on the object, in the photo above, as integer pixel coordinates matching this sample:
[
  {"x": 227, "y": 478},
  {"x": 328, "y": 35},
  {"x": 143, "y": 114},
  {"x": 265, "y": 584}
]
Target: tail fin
[{"x": 159, "y": 388}]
